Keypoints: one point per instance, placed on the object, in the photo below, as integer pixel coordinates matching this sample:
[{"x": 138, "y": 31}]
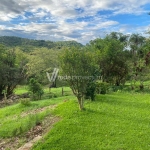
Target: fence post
[{"x": 62, "y": 91}]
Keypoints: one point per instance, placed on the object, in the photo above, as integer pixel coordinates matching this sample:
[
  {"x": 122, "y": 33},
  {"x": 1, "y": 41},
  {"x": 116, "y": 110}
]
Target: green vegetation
[
  {"x": 12, "y": 70},
  {"x": 36, "y": 89},
  {"x": 21, "y": 90},
  {"x": 116, "y": 58},
  {"x": 114, "y": 121},
  {"x": 109, "y": 76},
  {"x": 28, "y": 45},
  {"x": 18, "y": 119},
  {"x": 79, "y": 66}
]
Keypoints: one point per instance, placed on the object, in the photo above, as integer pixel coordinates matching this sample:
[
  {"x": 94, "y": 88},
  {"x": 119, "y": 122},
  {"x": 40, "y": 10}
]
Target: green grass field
[
  {"x": 13, "y": 124},
  {"x": 11, "y": 121},
  {"x": 119, "y": 121},
  {"x": 115, "y": 121},
  {"x": 54, "y": 92}
]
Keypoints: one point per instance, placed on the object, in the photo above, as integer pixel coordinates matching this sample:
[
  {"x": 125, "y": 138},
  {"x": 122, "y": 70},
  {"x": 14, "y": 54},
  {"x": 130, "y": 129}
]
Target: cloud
[
  {"x": 63, "y": 20},
  {"x": 66, "y": 8}
]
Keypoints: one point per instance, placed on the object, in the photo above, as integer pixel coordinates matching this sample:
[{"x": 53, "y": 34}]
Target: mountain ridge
[{"x": 14, "y": 41}]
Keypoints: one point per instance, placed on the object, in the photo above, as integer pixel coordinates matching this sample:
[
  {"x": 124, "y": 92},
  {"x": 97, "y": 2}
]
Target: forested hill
[{"x": 12, "y": 41}]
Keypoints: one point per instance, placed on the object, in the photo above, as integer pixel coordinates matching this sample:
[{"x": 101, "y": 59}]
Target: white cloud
[
  {"x": 48, "y": 19},
  {"x": 66, "y": 8}
]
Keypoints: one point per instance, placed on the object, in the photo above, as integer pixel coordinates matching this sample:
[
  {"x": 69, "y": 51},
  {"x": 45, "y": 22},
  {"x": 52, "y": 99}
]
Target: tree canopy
[
  {"x": 116, "y": 58},
  {"x": 79, "y": 67}
]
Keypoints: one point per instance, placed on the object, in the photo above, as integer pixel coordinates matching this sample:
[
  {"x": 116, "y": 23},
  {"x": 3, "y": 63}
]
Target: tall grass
[{"x": 12, "y": 123}]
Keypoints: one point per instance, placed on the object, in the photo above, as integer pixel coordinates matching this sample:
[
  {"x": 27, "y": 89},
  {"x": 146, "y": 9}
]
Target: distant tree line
[
  {"x": 116, "y": 58},
  {"x": 28, "y": 45}
]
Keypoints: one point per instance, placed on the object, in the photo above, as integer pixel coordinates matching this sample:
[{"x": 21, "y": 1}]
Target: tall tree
[
  {"x": 137, "y": 63},
  {"x": 112, "y": 59},
  {"x": 78, "y": 65},
  {"x": 12, "y": 70},
  {"x": 136, "y": 43},
  {"x": 41, "y": 61},
  {"x": 118, "y": 36}
]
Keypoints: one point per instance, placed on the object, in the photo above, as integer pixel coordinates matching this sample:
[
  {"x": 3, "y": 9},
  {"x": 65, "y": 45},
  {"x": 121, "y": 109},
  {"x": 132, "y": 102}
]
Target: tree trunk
[
  {"x": 117, "y": 83},
  {"x": 80, "y": 101}
]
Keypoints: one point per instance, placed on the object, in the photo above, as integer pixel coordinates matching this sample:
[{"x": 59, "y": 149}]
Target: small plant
[
  {"x": 90, "y": 91},
  {"x": 25, "y": 101},
  {"x": 5, "y": 94},
  {"x": 101, "y": 87},
  {"x": 35, "y": 89},
  {"x": 52, "y": 95}
]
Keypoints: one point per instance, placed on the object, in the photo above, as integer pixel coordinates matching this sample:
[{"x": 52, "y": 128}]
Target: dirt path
[
  {"x": 37, "y": 133},
  {"x": 31, "y": 112},
  {"x": 32, "y": 136},
  {"x": 29, "y": 145}
]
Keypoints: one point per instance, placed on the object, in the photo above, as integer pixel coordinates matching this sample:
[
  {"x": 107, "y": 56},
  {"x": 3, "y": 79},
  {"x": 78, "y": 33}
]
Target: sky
[{"x": 79, "y": 20}]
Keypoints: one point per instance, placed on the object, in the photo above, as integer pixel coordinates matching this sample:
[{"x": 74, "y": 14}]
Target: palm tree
[{"x": 136, "y": 42}]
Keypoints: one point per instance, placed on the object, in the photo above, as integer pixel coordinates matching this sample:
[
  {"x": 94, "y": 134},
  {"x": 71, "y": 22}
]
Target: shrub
[
  {"x": 90, "y": 91},
  {"x": 101, "y": 87},
  {"x": 52, "y": 95},
  {"x": 25, "y": 101},
  {"x": 35, "y": 89}
]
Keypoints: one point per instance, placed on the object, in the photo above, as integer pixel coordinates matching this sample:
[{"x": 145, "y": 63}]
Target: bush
[
  {"x": 35, "y": 89},
  {"x": 52, "y": 95},
  {"x": 102, "y": 87},
  {"x": 25, "y": 101},
  {"x": 90, "y": 91}
]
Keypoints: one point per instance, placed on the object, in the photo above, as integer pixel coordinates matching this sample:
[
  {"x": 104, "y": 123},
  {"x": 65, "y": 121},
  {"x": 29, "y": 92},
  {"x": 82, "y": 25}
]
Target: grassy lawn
[
  {"x": 12, "y": 120},
  {"x": 12, "y": 123},
  {"x": 118, "y": 121},
  {"x": 21, "y": 89},
  {"x": 54, "y": 92}
]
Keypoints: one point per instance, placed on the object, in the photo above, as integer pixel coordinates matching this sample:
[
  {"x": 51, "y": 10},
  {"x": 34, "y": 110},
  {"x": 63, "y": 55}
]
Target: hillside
[{"x": 12, "y": 41}]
